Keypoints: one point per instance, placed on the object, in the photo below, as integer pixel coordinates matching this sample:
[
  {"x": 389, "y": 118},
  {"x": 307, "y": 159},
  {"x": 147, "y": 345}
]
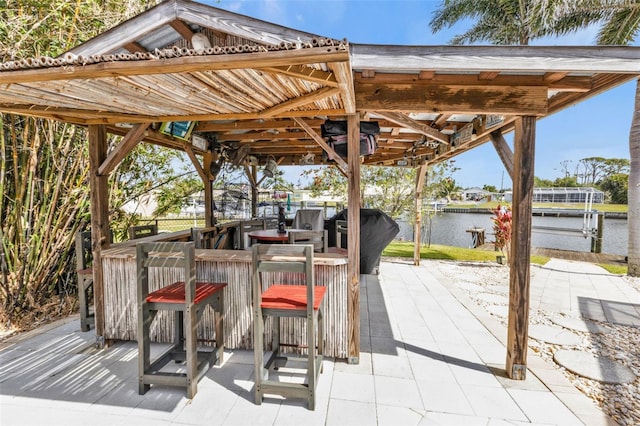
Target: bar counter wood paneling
[{"x": 234, "y": 268}]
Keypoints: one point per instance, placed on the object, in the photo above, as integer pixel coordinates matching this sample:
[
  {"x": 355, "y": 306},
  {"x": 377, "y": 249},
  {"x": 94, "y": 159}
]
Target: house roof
[{"x": 263, "y": 90}]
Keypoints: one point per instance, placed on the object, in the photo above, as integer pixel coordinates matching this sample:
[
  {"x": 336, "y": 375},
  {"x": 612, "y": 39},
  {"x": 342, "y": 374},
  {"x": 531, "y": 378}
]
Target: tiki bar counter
[{"x": 234, "y": 268}]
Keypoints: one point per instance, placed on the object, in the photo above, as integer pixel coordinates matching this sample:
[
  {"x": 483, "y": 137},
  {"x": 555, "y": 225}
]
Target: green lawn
[
  {"x": 440, "y": 252},
  {"x": 436, "y": 251},
  {"x": 614, "y": 269}
]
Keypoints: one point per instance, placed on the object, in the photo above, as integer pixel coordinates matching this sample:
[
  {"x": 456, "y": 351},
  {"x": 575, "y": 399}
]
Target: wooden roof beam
[
  {"x": 554, "y": 81},
  {"x": 255, "y": 136},
  {"x": 109, "y": 118},
  {"x": 406, "y": 121},
  {"x": 488, "y": 99},
  {"x": 209, "y": 126},
  {"x": 183, "y": 64}
]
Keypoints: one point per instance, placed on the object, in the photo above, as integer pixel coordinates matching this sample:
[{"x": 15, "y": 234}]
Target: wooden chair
[
  {"x": 341, "y": 231},
  {"x": 247, "y": 226},
  {"x": 214, "y": 237},
  {"x": 272, "y": 262},
  {"x": 84, "y": 258},
  {"x": 187, "y": 299},
  {"x": 310, "y": 219},
  {"x": 317, "y": 238},
  {"x": 140, "y": 231}
]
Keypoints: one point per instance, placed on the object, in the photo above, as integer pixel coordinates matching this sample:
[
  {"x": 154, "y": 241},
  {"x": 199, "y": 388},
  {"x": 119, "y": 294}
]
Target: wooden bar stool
[
  {"x": 187, "y": 299},
  {"x": 292, "y": 263}
]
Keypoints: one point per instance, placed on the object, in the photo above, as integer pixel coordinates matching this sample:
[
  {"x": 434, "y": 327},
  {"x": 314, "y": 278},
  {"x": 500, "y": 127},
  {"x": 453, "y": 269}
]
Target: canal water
[{"x": 450, "y": 229}]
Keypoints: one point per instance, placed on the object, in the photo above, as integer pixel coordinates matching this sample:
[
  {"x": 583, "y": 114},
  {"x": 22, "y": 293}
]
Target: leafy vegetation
[
  {"x": 44, "y": 191},
  {"x": 502, "y": 228},
  {"x": 390, "y": 189}
]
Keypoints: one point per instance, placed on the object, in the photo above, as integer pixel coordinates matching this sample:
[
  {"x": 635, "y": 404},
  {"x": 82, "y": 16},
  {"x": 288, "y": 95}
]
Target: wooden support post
[
  {"x": 209, "y": 218},
  {"x": 208, "y": 159},
  {"x": 353, "y": 235},
  {"x": 596, "y": 240},
  {"x": 254, "y": 191},
  {"x": 100, "y": 238},
  {"x": 420, "y": 178},
  {"x": 519, "y": 277}
]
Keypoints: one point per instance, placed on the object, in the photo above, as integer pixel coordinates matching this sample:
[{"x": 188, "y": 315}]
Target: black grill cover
[{"x": 377, "y": 230}]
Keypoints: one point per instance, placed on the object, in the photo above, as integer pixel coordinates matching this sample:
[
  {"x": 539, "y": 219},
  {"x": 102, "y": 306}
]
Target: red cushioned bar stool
[
  {"x": 187, "y": 299},
  {"x": 284, "y": 286}
]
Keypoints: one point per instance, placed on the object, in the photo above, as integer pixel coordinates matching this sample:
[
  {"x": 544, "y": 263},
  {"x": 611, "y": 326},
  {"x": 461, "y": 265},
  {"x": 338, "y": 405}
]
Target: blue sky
[{"x": 596, "y": 127}]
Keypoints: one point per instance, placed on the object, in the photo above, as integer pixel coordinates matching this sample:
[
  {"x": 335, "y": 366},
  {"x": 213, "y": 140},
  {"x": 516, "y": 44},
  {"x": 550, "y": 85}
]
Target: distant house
[
  {"x": 474, "y": 194},
  {"x": 564, "y": 195}
]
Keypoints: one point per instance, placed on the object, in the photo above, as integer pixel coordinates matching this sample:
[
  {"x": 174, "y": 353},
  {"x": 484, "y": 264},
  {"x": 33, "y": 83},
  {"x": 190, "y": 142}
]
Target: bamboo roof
[{"x": 263, "y": 90}]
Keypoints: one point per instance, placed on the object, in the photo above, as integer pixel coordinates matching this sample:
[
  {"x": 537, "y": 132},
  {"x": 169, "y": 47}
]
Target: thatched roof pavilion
[{"x": 259, "y": 90}]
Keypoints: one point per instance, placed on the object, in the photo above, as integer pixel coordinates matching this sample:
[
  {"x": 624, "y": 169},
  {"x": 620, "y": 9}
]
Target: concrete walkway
[{"x": 429, "y": 356}]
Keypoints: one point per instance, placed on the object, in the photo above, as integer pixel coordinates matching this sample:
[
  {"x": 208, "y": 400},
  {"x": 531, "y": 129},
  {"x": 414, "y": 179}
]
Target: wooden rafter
[
  {"x": 551, "y": 77},
  {"x": 299, "y": 101},
  {"x": 183, "y": 29},
  {"x": 488, "y": 75},
  {"x": 340, "y": 163},
  {"x": 306, "y": 73},
  {"x": 406, "y": 121},
  {"x": 441, "y": 120},
  {"x": 134, "y": 46}
]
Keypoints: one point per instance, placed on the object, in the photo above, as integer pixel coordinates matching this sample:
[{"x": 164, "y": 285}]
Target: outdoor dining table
[{"x": 271, "y": 235}]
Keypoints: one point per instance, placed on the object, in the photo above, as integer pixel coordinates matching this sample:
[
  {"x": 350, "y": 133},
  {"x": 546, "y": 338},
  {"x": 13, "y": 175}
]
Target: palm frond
[{"x": 621, "y": 28}]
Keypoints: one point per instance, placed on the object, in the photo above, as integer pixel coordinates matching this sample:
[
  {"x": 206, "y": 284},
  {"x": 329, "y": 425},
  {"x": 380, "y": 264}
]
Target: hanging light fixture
[{"x": 271, "y": 167}]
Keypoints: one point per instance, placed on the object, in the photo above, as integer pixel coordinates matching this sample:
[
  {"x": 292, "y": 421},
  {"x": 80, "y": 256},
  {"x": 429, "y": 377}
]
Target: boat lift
[{"x": 592, "y": 224}]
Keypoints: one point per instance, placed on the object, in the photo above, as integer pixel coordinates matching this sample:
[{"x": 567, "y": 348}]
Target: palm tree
[
  {"x": 520, "y": 21},
  {"x": 504, "y": 22}
]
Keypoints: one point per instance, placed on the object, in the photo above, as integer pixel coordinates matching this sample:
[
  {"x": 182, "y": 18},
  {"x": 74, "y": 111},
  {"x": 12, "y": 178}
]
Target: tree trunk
[{"x": 633, "y": 219}]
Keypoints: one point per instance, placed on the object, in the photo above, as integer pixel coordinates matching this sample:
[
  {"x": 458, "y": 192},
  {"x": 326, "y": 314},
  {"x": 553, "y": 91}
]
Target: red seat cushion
[
  {"x": 280, "y": 296},
  {"x": 174, "y": 293}
]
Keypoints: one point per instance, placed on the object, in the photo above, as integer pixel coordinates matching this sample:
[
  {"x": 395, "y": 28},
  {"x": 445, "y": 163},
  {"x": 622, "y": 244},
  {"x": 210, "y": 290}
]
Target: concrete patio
[{"x": 430, "y": 356}]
